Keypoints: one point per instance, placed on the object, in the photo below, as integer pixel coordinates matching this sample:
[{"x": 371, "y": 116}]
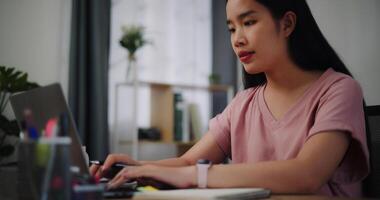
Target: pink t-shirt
[{"x": 247, "y": 132}]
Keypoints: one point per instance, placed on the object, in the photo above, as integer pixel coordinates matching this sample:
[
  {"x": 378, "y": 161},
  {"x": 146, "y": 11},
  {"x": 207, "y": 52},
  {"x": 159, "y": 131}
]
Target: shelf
[
  {"x": 213, "y": 88},
  {"x": 128, "y": 142},
  {"x": 182, "y": 147},
  {"x": 162, "y": 112},
  {"x": 172, "y": 142}
]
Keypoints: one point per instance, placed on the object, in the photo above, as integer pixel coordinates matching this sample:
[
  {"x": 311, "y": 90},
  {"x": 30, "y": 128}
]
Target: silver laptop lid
[{"x": 45, "y": 103}]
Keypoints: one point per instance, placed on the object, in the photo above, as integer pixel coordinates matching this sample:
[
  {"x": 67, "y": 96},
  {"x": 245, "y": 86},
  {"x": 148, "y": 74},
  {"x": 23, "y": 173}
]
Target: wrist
[
  {"x": 193, "y": 176},
  {"x": 203, "y": 166},
  {"x": 189, "y": 175}
]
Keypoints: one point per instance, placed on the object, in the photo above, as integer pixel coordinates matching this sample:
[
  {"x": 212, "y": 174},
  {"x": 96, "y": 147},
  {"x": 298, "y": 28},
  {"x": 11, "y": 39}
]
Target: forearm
[
  {"x": 206, "y": 148},
  {"x": 280, "y": 176},
  {"x": 171, "y": 162}
]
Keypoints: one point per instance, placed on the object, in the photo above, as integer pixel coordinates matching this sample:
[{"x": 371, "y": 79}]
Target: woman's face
[{"x": 256, "y": 39}]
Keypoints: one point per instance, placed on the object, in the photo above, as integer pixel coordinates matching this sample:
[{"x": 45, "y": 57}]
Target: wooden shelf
[
  {"x": 162, "y": 110},
  {"x": 182, "y": 147},
  {"x": 158, "y": 142},
  {"x": 164, "y": 142},
  {"x": 213, "y": 88}
]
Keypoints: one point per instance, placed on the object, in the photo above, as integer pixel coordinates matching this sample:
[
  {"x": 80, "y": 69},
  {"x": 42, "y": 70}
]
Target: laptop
[
  {"x": 45, "y": 103},
  {"x": 48, "y": 102}
]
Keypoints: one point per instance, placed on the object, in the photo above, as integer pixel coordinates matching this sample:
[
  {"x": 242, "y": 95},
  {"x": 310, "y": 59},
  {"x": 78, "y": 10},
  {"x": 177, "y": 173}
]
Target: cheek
[
  {"x": 232, "y": 44},
  {"x": 264, "y": 40},
  {"x": 268, "y": 46}
]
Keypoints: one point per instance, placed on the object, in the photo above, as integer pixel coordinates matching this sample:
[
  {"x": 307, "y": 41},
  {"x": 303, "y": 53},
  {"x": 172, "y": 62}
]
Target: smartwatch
[{"x": 202, "y": 167}]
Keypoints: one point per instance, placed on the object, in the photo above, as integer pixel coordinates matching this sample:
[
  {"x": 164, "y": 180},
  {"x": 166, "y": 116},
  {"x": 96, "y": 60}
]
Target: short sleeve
[
  {"x": 341, "y": 109},
  {"x": 220, "y": 126}
]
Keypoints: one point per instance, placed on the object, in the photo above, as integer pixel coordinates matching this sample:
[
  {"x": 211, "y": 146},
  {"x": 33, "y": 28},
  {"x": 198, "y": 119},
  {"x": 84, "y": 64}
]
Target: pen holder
[{"x": 44, "y": 169}]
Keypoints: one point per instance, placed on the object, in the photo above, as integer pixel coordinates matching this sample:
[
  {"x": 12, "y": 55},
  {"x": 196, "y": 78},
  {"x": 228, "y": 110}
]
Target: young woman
[{"x": 298, "y": 127}]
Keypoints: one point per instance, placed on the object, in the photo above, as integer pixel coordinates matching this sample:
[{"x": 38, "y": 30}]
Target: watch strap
[{"x": 202, "y": 169}]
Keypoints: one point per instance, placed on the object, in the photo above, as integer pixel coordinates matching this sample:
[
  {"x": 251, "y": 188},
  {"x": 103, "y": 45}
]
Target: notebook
[{"x": 200, "y": 194}]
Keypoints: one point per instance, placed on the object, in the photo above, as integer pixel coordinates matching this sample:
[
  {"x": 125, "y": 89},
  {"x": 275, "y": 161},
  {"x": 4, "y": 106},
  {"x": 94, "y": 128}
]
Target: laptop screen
[{"x": 45, "y": 103}]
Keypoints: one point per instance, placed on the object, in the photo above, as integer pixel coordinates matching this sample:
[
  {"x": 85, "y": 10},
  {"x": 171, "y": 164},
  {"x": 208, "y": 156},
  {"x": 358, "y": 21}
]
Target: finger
[
  {"x": 118, "y": 175},
  {"x": 115, "y": 158},
  {"x": 110, "y": 160},
  {"x": 94, "y": 169},
  {"x": 117, "y": 181},
  {"x": 99, "y": 172}
]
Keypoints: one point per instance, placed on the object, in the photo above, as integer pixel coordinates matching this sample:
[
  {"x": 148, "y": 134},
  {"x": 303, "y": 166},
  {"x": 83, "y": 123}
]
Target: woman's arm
[
  {"x": 206, "y": 148},
  {"x": 313, "y": 167}
]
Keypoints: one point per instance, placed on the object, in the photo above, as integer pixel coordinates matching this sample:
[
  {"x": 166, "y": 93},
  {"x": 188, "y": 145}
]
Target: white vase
[
  {"x": 131, "y": 72},
  {"x": 131, "y": 77}
]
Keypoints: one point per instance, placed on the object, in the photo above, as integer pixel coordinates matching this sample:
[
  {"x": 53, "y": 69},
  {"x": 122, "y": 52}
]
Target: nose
[{"x": 239, "y": 38}]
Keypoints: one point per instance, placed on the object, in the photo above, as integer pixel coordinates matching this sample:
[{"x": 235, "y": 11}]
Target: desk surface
[
  {"x": 9, "y": 176},
  {"x": 310, "y": 197},
  {"x": 301, "y": 197}
]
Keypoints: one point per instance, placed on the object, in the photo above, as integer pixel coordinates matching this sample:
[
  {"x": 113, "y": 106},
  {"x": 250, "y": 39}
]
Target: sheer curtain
[{"x": 180, "y": 52}]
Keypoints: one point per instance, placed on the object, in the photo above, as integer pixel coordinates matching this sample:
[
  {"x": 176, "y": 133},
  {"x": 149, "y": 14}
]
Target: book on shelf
[
  {"x": 187, "y": 120},
  {"x": 195, "y": 122},
  {"x": 181, "y": 119},
  {"x": 178, "y": 116}
]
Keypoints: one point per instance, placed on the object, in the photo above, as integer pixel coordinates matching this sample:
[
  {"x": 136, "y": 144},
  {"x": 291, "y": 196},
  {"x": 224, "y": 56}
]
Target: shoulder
[
  {"x": 338, "y": 93},
  {"x": 246, "y": 94},
  {"x": 336, "y": 83},
  {"x": 244, "y": 98}
]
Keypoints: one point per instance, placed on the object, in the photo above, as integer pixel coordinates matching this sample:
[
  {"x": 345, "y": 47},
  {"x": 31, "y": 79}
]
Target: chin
[{"x": 250, "y": 69}]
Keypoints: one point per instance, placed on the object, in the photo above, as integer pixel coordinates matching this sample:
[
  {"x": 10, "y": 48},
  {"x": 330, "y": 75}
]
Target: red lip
[{"x": 245, "y": 56}]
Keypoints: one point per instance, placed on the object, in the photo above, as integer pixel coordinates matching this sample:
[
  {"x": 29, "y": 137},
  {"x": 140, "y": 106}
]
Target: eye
[
  {"x": 231, "y": 30},
  {"x": 250, "y": 22}
]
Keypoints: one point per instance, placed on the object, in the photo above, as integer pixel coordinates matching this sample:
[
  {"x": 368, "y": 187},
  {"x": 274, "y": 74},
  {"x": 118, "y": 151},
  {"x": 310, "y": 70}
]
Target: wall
[
  {"x": 34, "y": 37},
  {"x": 352, "y": 27}
]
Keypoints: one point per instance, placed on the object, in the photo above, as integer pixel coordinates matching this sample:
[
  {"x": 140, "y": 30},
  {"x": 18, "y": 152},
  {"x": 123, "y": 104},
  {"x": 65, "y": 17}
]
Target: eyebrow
[{"x": 243, "y": 15}]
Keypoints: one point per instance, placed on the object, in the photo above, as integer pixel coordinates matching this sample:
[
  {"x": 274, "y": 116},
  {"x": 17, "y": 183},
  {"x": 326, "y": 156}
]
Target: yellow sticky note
[{"x": 147, "y": 188}]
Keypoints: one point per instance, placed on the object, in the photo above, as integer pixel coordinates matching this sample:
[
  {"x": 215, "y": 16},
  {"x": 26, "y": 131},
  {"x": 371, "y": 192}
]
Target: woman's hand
[
  {"x": 179, "y": 177},
  {"x": 97, "y": 170}
]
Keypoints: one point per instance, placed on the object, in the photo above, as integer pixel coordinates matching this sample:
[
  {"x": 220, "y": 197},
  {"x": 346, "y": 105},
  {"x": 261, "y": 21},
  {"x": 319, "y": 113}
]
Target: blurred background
[{"x": 186, "y": 72}]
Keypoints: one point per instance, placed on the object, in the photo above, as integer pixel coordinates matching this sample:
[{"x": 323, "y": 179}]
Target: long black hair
[{"x": 307, "y": 46}]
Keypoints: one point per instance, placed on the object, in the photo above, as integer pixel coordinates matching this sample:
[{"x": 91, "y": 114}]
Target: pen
[
  {"x": 100, "y": 162},
  {"x": 97, "y": 162}
]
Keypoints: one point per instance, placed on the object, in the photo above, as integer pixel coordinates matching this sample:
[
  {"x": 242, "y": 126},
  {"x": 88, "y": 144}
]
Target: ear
[{"x": 288, "y": 23}]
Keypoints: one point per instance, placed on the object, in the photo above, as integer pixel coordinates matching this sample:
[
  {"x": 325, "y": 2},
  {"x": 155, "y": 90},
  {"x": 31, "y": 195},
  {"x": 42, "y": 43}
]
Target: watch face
[{"x": 203, "y": 161}]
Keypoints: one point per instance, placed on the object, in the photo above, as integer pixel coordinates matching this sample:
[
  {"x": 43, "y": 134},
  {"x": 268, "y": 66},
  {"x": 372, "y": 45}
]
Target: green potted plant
[
  {"x": 214, "y": 78},
  {"x": 132, "y": 39},
  {"x": 11, "y": 81}
]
